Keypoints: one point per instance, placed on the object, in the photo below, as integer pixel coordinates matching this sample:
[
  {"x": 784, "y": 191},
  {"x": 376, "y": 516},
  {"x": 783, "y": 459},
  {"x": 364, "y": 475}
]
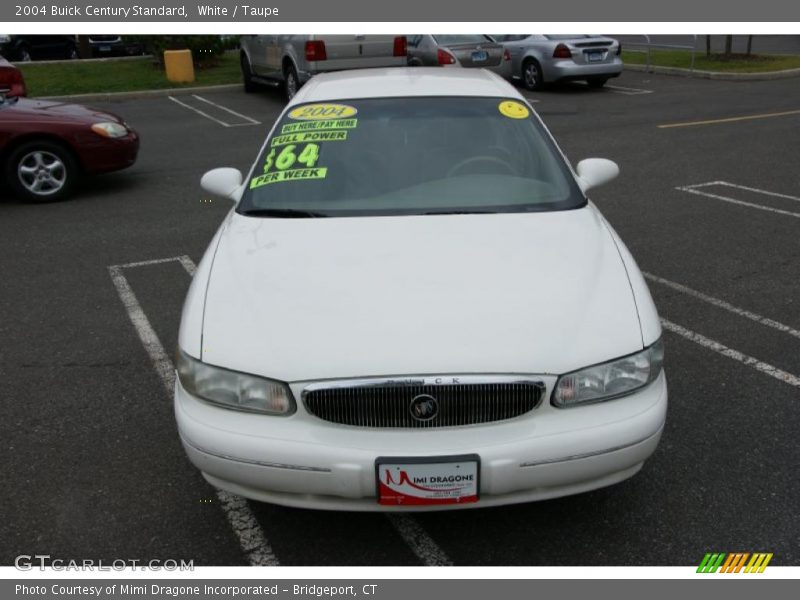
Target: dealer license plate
[
  {"x": 480, "y": 56},
  {"x": 595, "y": 56},
  {"x": 428, "y": 481},
  {"x": 105, "y": 48}
]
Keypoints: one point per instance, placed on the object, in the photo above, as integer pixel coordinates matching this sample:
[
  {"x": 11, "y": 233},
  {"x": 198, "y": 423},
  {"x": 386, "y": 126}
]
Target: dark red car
[
  {"x": 12, "y": 83},
  {"x": 45, "y": 147}
]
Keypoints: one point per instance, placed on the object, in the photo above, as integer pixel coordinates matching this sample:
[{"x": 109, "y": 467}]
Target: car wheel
[
  {"x": 597, "y": 82},
  {"x": 291, "y": 83},
  {"x": 41, "y": 171},
  {"x": 250, "y": 86},
  {"x": 24, "y": 54},
  {"x": 532, "y": 77}
]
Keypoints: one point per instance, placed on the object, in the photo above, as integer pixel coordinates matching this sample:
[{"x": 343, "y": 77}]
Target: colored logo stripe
[{"x": 734, "y": 562}]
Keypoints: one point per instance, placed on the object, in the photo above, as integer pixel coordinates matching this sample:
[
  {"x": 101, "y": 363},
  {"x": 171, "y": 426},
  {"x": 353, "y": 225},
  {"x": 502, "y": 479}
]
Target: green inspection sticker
[
  {"x": 309, "y": 136},
  {"x": 289, "y": 175},
  {"x": 317, "y": 125}
]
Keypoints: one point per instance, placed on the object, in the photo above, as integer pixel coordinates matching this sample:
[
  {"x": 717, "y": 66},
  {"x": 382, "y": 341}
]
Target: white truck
[{"x": 291, "y": 60}]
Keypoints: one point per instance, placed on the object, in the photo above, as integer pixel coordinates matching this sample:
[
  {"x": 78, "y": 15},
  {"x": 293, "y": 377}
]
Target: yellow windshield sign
[{"x": 317, "y": 112}]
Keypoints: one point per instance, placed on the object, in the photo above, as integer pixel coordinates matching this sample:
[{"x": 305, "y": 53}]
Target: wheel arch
[
  {"x": 19, "y": 140},
  {"x": 532, "y": 55}
]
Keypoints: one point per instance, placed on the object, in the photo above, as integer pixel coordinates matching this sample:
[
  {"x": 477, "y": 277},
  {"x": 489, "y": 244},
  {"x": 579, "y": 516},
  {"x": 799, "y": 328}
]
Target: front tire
[
  {"x": 532, "y": 77},
  {"x": 41, "y": 171},
  {"x": 291, "y": 82}
]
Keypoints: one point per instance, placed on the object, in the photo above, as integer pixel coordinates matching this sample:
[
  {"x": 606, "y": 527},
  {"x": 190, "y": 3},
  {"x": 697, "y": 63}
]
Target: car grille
[{"x": 390, "y": 404}]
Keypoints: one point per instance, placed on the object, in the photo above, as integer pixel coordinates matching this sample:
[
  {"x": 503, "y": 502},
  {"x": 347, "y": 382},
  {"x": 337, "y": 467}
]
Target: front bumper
[
  {"x": 103, "y": 155},
  {"x": 305, "y": 462}
]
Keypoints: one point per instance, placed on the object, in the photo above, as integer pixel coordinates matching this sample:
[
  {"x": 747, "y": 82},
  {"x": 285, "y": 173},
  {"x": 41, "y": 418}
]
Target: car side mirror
[
  {"x": 593, "y": 172},
  {"x": 224, "y": 182}
]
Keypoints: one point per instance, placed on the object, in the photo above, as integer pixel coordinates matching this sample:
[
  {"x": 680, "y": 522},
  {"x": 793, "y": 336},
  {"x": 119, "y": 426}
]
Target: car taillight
[
  {"x": 506, "y": 54},
  {"x": 400, "y": 46},
  {"x": 619, "y": 49},
  {"x": 315, "y": 50},
  {"x": 445, "y": 58},
  {"x": 562, "y": 51},
  {"x": 12, "y": 83}
]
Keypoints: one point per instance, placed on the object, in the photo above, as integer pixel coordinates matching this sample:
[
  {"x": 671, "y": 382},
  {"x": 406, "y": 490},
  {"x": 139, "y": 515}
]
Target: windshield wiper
[{"x": 282, "y": 213}]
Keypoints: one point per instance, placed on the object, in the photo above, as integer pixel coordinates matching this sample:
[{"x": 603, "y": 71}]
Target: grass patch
[
  {"x": 736, "y": 63},
  {"x": 79, "y": 77}
]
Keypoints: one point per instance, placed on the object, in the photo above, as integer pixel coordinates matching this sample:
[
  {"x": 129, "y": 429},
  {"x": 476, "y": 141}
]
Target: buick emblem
[{"x": 424, "y": 407}]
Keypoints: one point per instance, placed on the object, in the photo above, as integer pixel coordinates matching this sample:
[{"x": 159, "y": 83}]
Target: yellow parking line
[{"x": 730, "y": 119}]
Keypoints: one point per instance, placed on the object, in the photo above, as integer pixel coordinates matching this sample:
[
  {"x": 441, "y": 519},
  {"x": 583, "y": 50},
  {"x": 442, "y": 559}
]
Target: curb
[
  {"x": 112, "y": 96},
  {"x": 69, "y": 61},
  {"x": 718, "y": 75}
]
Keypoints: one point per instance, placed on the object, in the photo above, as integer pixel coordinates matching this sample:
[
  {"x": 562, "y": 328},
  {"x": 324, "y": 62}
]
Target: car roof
[{"x": 404, "y": 81}]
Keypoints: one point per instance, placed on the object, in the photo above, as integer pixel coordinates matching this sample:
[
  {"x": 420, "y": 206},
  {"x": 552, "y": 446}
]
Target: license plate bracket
[{"x": 427, "y": 480}]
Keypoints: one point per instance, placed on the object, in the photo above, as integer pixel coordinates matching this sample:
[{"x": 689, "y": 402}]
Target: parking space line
[
  {"x": 419, "y": 541},
  {"x": 188, "y": 265},
  {"x": 724, "y": 305},
  {"x": 619, "y": 89},
  {"x": 692, "y": 189},
  {"x": 251, "y": 537},
  {"x": 729, "y": 119},
  {"x": 147, "y": 335},
  {"x": 748, "y": 189},
  {"x": 228, "y": 110},
  {"x": 249, "y": 121},
  {"x": 199, "y": 112},
  {"x": 719, "y": 348}
]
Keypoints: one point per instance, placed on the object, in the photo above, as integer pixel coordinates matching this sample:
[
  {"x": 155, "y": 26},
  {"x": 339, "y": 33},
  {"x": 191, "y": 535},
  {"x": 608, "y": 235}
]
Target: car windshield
[
  {"x": 450, "y": 40},
  {"x": 423, "y": 155}
]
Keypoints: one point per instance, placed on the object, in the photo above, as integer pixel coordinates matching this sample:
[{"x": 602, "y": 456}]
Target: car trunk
[
  {"x": 477, "y": 55},
  {"x": 358, "y": 51}
]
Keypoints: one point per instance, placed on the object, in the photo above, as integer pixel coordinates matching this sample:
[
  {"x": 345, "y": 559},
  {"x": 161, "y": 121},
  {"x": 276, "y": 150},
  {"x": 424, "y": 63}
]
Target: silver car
[
  {"x": 291, "y": 60},
  {"x": 539, "y": 59},
  {"x": 471, "y": 51}
]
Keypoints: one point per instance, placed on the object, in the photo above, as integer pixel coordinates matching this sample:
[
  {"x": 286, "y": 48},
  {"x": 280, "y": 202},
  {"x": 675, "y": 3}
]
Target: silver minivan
[{"x": 291, "y": 60}]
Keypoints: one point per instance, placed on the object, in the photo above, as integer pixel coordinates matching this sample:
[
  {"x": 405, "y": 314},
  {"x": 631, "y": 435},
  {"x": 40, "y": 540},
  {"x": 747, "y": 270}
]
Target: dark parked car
[
  {"x": 12, "y": 83},
  {"x": 45, "y": 147},
  {"x": 114, "y": 45},
  {"x": 38, "y": 47}
]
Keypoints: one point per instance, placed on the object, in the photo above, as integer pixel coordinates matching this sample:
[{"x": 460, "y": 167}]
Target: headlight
[
  {"x": 609, "y": 380},
  {"x": 234, "y": 390},
  {"x": 4, "y": 39},
  {"x": 110, "y": 130}
]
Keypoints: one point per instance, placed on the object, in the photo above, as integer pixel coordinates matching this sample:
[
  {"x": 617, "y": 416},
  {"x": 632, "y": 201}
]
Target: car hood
[
  {"x": 304, "y": 299},
  {"x": 40, "y": 110}
]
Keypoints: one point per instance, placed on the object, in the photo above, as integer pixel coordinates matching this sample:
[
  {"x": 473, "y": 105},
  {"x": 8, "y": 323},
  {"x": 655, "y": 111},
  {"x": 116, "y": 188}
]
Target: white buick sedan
[{"x": 415, "y": 306}]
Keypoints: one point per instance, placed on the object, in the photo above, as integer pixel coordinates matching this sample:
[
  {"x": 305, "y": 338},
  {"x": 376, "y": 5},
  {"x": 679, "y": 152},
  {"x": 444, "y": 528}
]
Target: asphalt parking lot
[{"x": 708, "y": 202}]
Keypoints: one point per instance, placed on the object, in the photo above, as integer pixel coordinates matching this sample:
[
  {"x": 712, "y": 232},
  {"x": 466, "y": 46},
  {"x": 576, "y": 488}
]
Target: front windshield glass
[{"x": 394, "y": 156}]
